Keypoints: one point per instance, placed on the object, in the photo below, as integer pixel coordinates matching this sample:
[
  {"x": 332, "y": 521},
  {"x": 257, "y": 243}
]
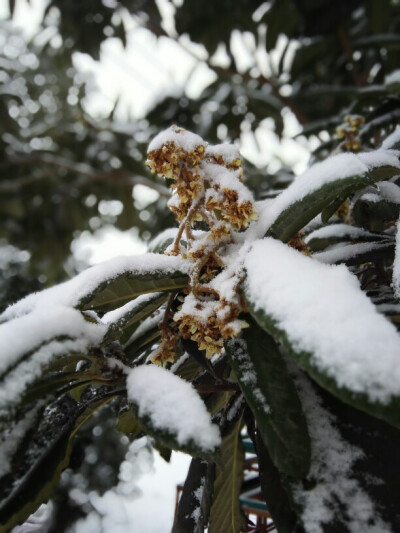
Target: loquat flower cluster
[
  {"x": 207, "y": 188},
  {"x": 349, "y": 133}
]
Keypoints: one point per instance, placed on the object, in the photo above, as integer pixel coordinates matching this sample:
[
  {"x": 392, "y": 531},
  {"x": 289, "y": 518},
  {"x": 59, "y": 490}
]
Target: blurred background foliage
[
  {"x": 64, "y": 171},
  {"x": 280, "y": 66}
]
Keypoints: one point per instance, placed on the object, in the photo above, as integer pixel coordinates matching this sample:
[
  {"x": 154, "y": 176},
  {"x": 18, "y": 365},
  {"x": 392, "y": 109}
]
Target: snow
[
  {"x": 173, "y": 406},
  {"x": 336, "y": 490},
  {"x": 71, "y": 292},
  {"x": 180, "y": 137},
  {"x": 227, "y": 151},
  {"x": 227, "y": 180},
  {"x": 325, "y": 314}
]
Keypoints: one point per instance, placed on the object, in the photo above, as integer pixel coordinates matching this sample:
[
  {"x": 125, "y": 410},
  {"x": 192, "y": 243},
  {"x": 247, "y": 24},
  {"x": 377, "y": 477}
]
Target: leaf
[
  {"x": 272, "y": 397},
  {"x": 120, "y": 290},
  {"x": 318, "y": 313},
  {"x": 300, "y": 207},
  {"x": 194, "y": 504},
  {"x": 128, "y": 424},
  {"x": 274, "y": 493},
  {"x": 186, "y": 368},
  {"x": 128, "y": 322},
  {"x": 226, "y": 514},
  {"x": 38, "y": 483}
]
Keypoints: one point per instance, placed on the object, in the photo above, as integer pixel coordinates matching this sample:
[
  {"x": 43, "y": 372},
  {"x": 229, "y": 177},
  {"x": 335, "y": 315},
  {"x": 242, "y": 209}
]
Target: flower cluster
[
  {"x": 349, "y": 133},
  {"x": 207, "y": 188}
]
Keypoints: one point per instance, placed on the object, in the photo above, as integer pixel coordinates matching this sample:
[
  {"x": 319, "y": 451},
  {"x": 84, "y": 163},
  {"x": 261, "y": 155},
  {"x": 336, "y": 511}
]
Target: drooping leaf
[
  {"x": 194, "y": 504},
  {"x": 272, "y": 397},
  {"x": 225, "y": 514},
  {"x": 330, "y": 327}
]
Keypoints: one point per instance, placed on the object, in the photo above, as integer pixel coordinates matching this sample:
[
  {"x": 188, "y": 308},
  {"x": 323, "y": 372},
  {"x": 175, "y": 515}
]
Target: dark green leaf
[
  {"x": 272, "y": 397},
  {"x": 279, "y": 505}
]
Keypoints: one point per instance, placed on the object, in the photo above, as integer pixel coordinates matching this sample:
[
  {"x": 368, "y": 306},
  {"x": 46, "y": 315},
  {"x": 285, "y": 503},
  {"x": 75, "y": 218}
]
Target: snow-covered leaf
[
  {"x": 272, "y": 397},
  {"x": 353, "y": 482},
  {"x": 120, "y": 290},
  {"x": 319, "y": 186},
  {"x": 328, "y": 324},
  {"x": 226, "y": 514},
  {"x": 170, "y": 409},
  {"x": 195, "y": 501},
  {"x": 143, "y": 273}
]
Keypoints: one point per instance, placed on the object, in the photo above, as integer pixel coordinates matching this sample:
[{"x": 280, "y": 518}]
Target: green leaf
[
  {"x": 194, "y": 504},
  {"x": 37, "y": 484},
  {"x": 274, "y": 493},
  {"x": 112, "y": 294},
  {"x": 294, "y": 217},
  {"x": 226, "y": 514},
  {"x": 272, "y": 397},
  {"x": 128, "y": 424}
]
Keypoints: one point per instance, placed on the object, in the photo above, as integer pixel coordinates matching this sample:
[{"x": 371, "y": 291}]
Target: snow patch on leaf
[{"x": 173, "y": 406}]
